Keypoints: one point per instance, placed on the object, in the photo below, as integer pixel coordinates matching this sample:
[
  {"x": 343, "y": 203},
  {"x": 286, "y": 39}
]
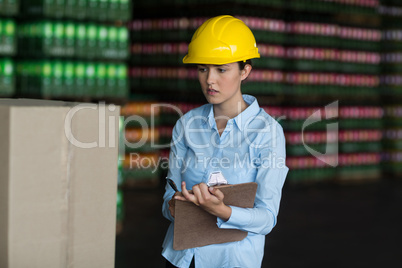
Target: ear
[{"x": 246, "y": 71}]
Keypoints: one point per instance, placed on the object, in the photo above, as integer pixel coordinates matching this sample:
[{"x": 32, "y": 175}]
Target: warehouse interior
[{"x": 330, "y": 73}]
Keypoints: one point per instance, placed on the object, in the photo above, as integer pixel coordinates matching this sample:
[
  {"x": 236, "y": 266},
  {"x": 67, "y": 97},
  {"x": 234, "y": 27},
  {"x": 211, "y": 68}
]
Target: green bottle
[
  {"x": 1, "y": 76},
  {"x": 90, "y": 89},
  {"x": 59, "y": 39},
  {"x": 57, "y": 79},
  {"x": 49, "y": 8},
  {"x": 102, "y": 35},
  {"x": 80, "y": 41},
  {"x": 114, "y": 10},
  {"x": 103, "y": 7},
  {"x": 7, "y": 77},
  {"x": 70, "y": 9},
  {"x": 122, "y": 85},
  {"x": 100, "y": 84},
  {"x": 112, "y": 43},
  {"x": 59, "y": 9},
  {"x": 69, "y": 39},
  {"x": 1, "y": 36},
  {"x": 3, "y": 87},
  {"x": 93, "y": 8},
  {"x": 123, "y": 43},
  {"x": 119, "y": 205},
  {"x": 48, "y": 38},
  {"x": 68, "y": 78},
  {"x": 91, "y": 43},
  {"x": 125, "y": 10},
  {"x": 81, "y": 9},
  {"x": 9, "y": 38},
  {"x": 79, "y": 74},
  {"x": 111, "y": 79},
  {"x": 46, "y": 76}
]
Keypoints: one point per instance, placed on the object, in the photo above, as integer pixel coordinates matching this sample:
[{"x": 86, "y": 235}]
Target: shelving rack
[
  {"x": 140, "y": 168},
  {"x": 314, "y": 53},
  {"x": 391, "y": 85},
  {"x": 8, "y": 49},
  {"x": 73, "y": 49}
]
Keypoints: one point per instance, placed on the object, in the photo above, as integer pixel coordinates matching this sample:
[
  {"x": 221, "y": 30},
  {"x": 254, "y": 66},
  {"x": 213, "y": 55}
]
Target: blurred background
[{"x": 330, "y": 72}]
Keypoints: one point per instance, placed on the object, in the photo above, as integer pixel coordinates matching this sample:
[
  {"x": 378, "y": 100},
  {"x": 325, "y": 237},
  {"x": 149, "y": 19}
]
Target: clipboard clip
[{"x": 216, "y": 178}]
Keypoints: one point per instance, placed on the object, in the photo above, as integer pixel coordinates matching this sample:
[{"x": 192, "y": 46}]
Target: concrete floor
[{"x": 318, "y": 226}]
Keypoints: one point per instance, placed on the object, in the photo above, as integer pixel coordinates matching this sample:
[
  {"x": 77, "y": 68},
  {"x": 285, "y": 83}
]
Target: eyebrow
[{"x": 216, "y": 65}]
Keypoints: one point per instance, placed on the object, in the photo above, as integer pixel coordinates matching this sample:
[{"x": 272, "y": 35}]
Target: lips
[{"x": 211, "y": 91}]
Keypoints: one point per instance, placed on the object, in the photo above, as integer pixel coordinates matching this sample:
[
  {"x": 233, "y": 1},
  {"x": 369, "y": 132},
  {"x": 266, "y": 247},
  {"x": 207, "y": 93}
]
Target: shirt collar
[{"x": 242, "y": 119}]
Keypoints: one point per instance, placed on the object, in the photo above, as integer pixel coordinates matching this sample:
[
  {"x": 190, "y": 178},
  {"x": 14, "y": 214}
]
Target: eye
[
  {"x": 221, "y": 70},
  {"x": 202, "y": 69}
]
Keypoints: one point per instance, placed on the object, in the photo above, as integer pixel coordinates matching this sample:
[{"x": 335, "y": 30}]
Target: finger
[
  {"x": 180, "y": 197},
  {"x": 216, "y": 192},
  {"x": 197, "y": 193},
  {"x": 188, "y": 196},
  {"x": 184, "y": 191},
  {"x": 205, "y": 191}
]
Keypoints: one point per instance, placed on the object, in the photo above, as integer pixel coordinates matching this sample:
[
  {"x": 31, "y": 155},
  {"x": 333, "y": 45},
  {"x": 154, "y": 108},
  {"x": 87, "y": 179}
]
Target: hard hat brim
[{"x": 215, "y": 61}]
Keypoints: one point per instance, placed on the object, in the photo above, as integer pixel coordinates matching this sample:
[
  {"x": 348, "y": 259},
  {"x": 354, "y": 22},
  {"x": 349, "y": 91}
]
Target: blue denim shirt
[{"x": 250, "y": 149}]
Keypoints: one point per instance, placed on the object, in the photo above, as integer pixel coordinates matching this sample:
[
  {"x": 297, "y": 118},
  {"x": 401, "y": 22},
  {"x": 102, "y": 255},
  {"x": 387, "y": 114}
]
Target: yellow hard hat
[{"x": 220, "y": 40}]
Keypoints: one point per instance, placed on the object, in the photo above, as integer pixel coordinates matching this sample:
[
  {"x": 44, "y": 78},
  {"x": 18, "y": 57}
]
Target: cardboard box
[{"x": 57, "y": 199}]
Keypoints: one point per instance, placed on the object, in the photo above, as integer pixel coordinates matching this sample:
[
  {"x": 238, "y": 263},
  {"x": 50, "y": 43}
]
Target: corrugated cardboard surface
[
  {"x": 61, "y": 199},
  {"x": 194, "y": 227}
]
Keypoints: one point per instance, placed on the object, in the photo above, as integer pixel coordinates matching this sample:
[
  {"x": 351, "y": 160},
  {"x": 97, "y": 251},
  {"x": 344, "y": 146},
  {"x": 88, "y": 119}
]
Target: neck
[{"x": 229, "y": 110}]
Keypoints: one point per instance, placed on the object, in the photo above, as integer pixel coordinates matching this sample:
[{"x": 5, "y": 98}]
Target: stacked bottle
[
  {"x": 73, "y": 40},
  {"x": 94, "y": 10},
  {"x": 71, "y": 79},
  {"x": 7, "y": 77},
  {"x": 61, "y": 57},
  {"x": 360, "y": 139},
  {"x": 8, "y": 48},
  {"x": 7, "y": 37},
  {"x": 9, "y": 7},
  {"x": 391, "y": 83},
  {"x": 392, "y": 155}
]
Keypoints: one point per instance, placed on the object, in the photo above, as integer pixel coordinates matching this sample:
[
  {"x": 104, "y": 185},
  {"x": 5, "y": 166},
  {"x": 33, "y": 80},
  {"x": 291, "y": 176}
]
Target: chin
[{"x": 212, "y": 100}]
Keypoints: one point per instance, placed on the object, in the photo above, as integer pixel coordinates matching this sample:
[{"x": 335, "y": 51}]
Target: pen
[{"x": 172, "y": 184}]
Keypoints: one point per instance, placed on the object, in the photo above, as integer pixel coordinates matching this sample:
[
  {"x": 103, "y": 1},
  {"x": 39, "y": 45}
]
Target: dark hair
[{"x": 242, "y": 64}]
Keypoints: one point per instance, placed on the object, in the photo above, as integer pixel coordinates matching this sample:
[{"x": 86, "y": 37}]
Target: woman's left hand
[{"x": 208, "y": 198}]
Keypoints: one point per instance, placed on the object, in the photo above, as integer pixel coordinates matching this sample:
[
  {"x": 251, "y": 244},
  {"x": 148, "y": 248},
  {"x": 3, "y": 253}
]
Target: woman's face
[{"x": 221, "y": 83}]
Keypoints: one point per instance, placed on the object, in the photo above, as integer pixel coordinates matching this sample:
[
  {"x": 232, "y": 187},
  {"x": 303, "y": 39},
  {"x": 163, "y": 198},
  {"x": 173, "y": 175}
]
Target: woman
[{"x": 230, "y": 137}]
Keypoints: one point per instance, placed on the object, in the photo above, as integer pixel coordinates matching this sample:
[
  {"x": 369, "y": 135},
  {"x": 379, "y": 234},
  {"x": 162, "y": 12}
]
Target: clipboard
[{"x": 194, "y": 227}]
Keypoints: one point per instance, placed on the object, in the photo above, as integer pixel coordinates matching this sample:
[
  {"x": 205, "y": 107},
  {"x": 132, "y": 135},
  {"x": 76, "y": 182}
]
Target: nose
[{"x": 210, "y": 77}]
